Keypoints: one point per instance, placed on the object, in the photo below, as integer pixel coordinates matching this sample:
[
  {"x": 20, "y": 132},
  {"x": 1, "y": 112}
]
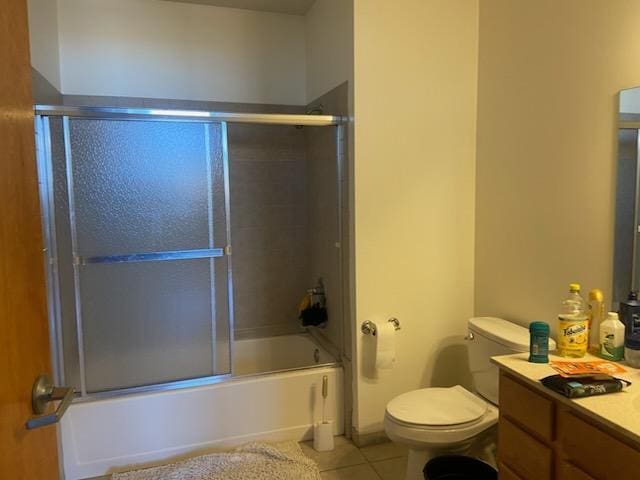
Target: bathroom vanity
[{"x": 545, "y": 436}]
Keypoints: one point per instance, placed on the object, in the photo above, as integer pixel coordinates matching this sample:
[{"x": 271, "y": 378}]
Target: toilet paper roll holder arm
[{"x": 369, "y": 328}]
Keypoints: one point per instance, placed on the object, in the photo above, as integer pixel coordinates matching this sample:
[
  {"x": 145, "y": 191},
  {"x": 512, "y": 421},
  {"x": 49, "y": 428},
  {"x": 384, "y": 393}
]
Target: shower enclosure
[
  {"x": 139, "y": 210},
  {"x": 137, "y": 214}
]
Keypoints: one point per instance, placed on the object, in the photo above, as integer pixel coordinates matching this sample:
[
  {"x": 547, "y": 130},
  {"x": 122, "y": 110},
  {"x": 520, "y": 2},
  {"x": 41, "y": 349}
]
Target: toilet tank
[{"x": 488, "y": 337}]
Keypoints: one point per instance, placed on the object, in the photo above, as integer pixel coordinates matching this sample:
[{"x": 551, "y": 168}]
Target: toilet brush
[{"x": 323, "y": 431}]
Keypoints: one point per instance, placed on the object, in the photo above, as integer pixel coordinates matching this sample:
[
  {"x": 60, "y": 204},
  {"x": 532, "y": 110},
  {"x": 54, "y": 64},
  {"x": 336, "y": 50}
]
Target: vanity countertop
[{"x": 620, "y": 411}]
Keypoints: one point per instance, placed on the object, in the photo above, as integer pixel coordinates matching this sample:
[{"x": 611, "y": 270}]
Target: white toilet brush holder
[
  {"x": 323, "y": 431},
  {"x": 323, "y": 436}
]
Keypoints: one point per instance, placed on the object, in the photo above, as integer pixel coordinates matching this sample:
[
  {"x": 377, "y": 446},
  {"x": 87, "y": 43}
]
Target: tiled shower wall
[
  {"x": 328, "y": 245},
  {"x": 269, "y": 227},
  {"x": 286, "y": 229},
  {"x": 284, "y": 217}
]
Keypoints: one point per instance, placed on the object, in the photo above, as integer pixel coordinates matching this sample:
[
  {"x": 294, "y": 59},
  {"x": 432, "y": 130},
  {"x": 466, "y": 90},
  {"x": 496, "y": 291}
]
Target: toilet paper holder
[{"x": 369, "y": 328}]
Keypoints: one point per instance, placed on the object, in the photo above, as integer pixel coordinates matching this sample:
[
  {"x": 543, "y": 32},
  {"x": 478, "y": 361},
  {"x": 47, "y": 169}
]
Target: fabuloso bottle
[{"x": 573, "y": 324}]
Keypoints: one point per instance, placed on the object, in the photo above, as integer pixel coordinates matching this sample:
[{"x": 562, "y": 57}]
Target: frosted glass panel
[
  {"x": 145, "y": 323},
  {"x": 222, "y": 350},
  {"x": 218, "y": 185},
  {"x": 137, "y": 187},
  {"x": 140, "y": 186}
]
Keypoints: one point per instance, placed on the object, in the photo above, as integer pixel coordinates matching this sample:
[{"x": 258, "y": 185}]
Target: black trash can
[{"x": 458, "y": 467}]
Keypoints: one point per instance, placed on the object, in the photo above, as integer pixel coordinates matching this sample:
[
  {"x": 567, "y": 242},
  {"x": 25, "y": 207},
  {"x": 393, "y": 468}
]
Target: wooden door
[{"x": 24, "y": 340}]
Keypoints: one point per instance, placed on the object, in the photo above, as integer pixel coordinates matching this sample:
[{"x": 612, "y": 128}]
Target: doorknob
[{"x": 43, "y": 392}]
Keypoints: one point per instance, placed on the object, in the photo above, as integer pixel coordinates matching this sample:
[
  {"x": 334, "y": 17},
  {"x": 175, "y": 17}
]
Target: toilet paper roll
[
  {"x": 385, "y": 345},
  {"x": 323, "y": 436}
]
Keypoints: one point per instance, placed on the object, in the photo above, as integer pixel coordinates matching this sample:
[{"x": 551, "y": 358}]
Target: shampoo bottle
[
  {"x": 630, "y": 312},
  {"x": 630, "y": 316},
  {"x": 612, "y": 338},
  {"x": 597, "y": 314}
]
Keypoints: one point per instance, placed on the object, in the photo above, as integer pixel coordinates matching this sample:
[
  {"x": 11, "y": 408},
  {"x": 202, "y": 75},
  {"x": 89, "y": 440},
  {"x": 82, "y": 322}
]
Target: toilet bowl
[{"x": 437, "y": 421}]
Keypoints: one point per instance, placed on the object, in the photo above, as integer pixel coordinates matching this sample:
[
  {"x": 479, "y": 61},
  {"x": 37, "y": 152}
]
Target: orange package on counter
[{"x": 587, "y": 368}]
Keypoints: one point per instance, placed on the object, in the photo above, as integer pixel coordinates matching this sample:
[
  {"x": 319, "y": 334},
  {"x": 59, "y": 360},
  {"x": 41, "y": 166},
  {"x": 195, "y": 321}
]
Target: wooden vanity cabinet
[{"x": 541, "y": 438}]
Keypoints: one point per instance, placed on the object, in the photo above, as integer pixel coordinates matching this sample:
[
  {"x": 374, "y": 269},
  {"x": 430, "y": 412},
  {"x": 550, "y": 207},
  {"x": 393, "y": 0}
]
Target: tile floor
[{"x": 383, "y": 461}]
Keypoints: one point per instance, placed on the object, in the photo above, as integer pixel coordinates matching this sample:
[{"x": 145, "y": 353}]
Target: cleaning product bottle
[
  {"x": 630, "y": 312},
  {"x": 573, "y": 325},
  {"x": 612, "y": 338},
  {"x": 596, "y": 313},
  {"x": 630, "y": 316}
]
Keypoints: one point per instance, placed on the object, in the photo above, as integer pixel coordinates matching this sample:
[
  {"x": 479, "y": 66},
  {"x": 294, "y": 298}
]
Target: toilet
[{"x": 436, "y": 421}]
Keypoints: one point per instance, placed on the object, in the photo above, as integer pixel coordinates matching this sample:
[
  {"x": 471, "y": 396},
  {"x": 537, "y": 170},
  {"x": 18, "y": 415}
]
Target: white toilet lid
[{"x": 437, "y": 406}]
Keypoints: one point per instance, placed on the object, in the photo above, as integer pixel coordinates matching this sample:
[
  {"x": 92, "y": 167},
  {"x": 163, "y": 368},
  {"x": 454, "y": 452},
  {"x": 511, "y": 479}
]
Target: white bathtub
[
  {"x": 273, "y": 354},
  {"x": 104, "y": 436}
]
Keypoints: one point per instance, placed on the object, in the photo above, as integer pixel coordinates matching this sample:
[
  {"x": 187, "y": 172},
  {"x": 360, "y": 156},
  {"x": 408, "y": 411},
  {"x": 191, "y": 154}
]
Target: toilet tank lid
[{"x": 502, "y": 331}]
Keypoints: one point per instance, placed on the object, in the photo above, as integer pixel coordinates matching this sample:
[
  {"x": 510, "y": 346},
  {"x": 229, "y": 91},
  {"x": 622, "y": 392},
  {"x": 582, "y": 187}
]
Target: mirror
[{"x": 626, "y": 263}]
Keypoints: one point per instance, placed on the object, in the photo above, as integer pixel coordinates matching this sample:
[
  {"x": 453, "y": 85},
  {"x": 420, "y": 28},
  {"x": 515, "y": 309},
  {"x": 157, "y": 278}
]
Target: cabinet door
[
  {"x": 505, "y": 473},
  {"x": 568, "y": 471},
  {"x": 526, "y": 456},
  {"x": 24, "y": 354},
  {"x": 587, "y": 446},
  {"x": 527, "y": 408}
]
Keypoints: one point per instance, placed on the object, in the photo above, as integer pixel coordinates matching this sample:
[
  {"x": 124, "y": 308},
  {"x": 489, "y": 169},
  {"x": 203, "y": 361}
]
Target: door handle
[{"x": 43, "y": 392}]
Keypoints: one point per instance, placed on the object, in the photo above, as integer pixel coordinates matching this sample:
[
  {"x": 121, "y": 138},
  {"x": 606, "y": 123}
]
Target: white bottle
[{"x": 612, "y": 338}]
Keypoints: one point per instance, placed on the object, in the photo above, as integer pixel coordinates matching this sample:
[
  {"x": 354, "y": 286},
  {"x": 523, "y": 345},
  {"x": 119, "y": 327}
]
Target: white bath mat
[{"x": 254, "y": 461}]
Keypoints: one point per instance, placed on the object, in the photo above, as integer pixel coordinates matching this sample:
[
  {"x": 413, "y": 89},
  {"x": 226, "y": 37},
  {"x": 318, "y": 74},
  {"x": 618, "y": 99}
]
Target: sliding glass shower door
[{"x": 137, "y": 220}]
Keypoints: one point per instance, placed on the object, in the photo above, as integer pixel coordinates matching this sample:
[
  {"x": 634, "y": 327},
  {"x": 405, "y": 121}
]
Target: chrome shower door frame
[{"x": 44, "y": 160}]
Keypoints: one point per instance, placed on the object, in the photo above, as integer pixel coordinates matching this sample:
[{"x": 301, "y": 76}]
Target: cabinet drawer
[
  {"x": 528, "y": 408},
  {"x": 595, "y": 451},
  {"x": 529, "y": 458},
  {"x": 505, "y": 473},
  {"x": 568, "y": 471}
]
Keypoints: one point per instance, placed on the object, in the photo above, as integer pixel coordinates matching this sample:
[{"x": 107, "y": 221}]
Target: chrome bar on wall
[
  {"x": 189, "y": 115},
  {"x": 153, "y": 256}
]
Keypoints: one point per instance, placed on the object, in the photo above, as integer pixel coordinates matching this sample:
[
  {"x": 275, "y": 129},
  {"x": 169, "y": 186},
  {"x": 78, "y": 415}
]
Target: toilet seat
[
  {"x": 437, "y": 407},
  {"x": 438, "y": 416}
]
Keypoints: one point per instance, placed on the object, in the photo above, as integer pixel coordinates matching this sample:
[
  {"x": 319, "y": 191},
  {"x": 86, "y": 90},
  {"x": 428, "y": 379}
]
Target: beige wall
[
  {"x": 415, "y": 130},
  {"x": 549, "y": 73},
  {"x": 151, "y": 48},
  {"x": 329, "y": 46},
  {"x": 43, "y": 39},
  {"x": 123, "y": 47}
]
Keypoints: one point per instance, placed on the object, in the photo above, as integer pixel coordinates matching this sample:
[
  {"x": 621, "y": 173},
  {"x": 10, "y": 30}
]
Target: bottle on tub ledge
[{"x": 573, "y": 324}]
